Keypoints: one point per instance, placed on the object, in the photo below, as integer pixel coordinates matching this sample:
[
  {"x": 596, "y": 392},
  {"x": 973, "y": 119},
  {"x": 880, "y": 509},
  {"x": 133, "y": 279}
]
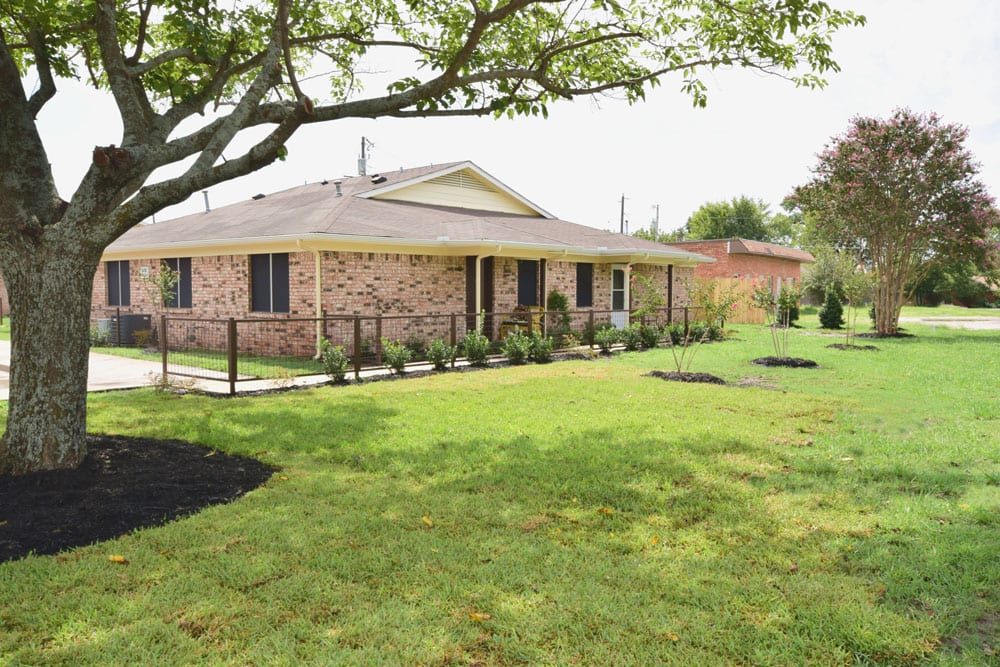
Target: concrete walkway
[
  {"x": 105, "y": 371},
  {"x": 977, "y": 323}
]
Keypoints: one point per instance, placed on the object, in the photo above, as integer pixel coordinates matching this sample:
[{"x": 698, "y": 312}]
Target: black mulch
[
  {"x": 788, "y": 362},
  {"x": 873, "y": 334},
  {"x": 845, "y": 346},
  {"x": 685, "y": 376},
  {"x": 123, "y": 484}
]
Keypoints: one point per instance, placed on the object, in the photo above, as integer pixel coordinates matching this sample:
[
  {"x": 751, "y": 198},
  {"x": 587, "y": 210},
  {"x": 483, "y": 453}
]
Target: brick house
[
  {"x": 437, "y": 239},
  {"x": 748, "y": 260}
]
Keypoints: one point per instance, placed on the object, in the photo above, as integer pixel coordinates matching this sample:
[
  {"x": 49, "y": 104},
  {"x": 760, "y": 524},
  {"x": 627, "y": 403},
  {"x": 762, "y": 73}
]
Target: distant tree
[
  {"x": 830, "y": 270},
  {"x": 660, "y": 237},
  {"x": 904, "y": 192},
  {"x": 742, "y": 217}
]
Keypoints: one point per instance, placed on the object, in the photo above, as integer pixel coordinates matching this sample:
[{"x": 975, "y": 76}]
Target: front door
[{"x": 619, "y": 298}]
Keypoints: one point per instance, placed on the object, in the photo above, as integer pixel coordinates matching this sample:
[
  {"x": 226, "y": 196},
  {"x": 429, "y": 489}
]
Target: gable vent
[{"x": 460, "y": 179}]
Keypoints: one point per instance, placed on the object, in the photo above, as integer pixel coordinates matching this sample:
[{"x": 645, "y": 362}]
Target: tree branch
[
  {"x": 135, "y": 110},
  {"x": 47, "y": 89}
]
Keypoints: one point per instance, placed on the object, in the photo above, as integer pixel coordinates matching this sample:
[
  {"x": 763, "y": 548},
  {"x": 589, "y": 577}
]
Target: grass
[
  {"x": 216, "y": 360},
  {"x": 844, "y": 515}
]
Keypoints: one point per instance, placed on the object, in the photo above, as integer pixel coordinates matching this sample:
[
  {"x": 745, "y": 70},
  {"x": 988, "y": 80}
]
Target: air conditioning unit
[{"x": 122, "y": 332}]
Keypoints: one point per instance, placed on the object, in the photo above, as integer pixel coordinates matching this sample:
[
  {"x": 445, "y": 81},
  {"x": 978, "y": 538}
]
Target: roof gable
[{"x": 462, "y": 185}]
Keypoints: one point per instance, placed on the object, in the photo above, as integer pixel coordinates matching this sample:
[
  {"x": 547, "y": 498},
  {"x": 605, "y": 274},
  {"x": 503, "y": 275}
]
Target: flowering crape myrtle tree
[
  {"x": 168, "y": 61},
  {"x": 904, "y": 193}
]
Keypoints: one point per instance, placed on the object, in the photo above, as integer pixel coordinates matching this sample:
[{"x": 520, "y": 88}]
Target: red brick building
[
  {"x": 748, "y": 260},
  {"x": 439, "y": 239}
]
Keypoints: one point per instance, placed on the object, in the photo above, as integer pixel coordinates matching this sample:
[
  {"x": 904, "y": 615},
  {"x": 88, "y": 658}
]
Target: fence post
[
  {"x": 357, "y": 347},
  {"x": 590, "y": 329},
  {"x": 163, "y": 343},
  {"x": 454, "y": 336},
  {"x": 378, "y": 339},
  {"x": 231, "y": 344},
  {"x": 118, "y": 327},
  {"x": 685, "y": 321}
]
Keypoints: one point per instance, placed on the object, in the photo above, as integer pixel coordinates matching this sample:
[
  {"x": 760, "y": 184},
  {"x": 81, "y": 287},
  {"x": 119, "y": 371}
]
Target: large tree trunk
[
  {"x": 888, "y": 303},
  {"x": 50, "y": 294}
]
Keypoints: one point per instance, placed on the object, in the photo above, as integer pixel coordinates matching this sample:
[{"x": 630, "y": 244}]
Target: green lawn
[{"x": 848, "y": 514}]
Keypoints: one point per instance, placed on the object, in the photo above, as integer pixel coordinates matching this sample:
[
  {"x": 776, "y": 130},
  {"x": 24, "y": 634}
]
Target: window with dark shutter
[
  {"x": 527, "y": 282},
  {"x": 119, "y": 289},
  {"x": 584, "y": 285},
  {"x": 269, "y": 283},
  {"x": 180, "y": 296}
]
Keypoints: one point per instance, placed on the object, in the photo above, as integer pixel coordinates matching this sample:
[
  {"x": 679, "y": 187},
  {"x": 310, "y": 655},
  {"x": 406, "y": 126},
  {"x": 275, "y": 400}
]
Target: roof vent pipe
[
  {"x": 339, "y": 193},
  {"x": 208, "y": 209}
]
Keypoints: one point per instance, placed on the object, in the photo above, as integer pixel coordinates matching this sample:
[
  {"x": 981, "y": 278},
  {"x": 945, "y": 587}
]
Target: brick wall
[
  {"x": 742, "y": 264},
  {"x": 397, "y": 286}
]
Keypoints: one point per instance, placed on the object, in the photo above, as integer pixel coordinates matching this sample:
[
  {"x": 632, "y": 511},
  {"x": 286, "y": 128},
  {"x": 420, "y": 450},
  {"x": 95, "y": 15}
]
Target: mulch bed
[
  {"x": 123, "y": 484},
  {"x": 787, "y": 362},
  {"x": 845, "y": 346},
  {"x": 685, "y": 376},
  {"x": 898, "y": 334}
]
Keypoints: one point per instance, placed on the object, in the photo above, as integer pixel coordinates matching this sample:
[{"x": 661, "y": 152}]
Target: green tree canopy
[
  {"x": 742, "y": 217},
  {"x": 240, "y": 62}
]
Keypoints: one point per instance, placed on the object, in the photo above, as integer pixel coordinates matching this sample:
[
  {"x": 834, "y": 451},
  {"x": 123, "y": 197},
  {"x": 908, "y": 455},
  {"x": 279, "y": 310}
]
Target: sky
[{"x": 758, "y": 137}]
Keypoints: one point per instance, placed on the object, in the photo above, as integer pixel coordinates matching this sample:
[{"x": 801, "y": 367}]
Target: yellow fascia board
[{"x": 441, "y": 247}]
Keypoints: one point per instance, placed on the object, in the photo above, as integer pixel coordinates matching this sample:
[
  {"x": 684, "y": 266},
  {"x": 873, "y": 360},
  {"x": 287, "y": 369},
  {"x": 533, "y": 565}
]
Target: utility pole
[
  {"x": 656, "y": 222},
  {"x": 621, "y": 222}
]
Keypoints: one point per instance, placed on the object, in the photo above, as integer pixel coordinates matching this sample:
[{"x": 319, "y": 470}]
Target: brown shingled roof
[
  {"x": 315, "y": 211},
  {"x": 748, "y": 247}
]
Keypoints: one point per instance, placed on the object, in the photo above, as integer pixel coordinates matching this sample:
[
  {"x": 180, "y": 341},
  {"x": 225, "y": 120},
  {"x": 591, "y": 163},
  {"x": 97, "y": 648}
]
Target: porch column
[{"x": 318, "y": 277}]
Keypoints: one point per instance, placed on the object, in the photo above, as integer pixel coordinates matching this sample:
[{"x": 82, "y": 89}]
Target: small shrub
[
  {"x": 831, "y": 315},
  {"x": 541, "y": 347},
  {"x": 516, "y": 347},
  {"x": 334, "y": 361},
  {"x": 558, "y": 304},
  {"x": 476, "y": 347},
  {"x": 395, "y": 355},
  {"x": 440, "y": 354},
  {"x": 631, "y": 337},
  {"x": 417, "y": 345},
  {"x": 606, "y": 337},
  {"x": 100, "y": 337},
  {"x": 696, "y": 331},
  {"x": 569, "y": 340},
  {"x": 142, "y": 338},
  {"x": 675, "y": 332},
  {"x": 788, "y": 306},
  {"x": 650, "y": 335}
]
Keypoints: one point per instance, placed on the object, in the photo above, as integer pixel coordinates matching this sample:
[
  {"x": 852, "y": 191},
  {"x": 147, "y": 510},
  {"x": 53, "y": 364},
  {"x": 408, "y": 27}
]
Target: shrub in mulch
[
  {"x": 787, "y": 362},
  {"x": 845, "y": 346},
  {"x": 686, "y": 376}
]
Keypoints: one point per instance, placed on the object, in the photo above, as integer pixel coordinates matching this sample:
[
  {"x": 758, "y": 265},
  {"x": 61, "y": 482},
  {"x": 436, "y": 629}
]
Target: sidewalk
[{"x": 105, "y": 372}]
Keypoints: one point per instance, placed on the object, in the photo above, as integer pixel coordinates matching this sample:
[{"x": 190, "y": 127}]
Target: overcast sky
[{"x": 758, "y": 136}]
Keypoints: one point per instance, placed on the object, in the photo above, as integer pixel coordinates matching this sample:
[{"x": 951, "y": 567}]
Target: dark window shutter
[
  {"x": 527, "y": 282},
  {"x": 584, "y": 285},
  {"x": 184, "y": 283},
  {"x": 279, "y": 282},
  {"x": 112, "y": 279},
  {"x": 260, "y": 283},
  {"x": 125, "y": 287}
]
